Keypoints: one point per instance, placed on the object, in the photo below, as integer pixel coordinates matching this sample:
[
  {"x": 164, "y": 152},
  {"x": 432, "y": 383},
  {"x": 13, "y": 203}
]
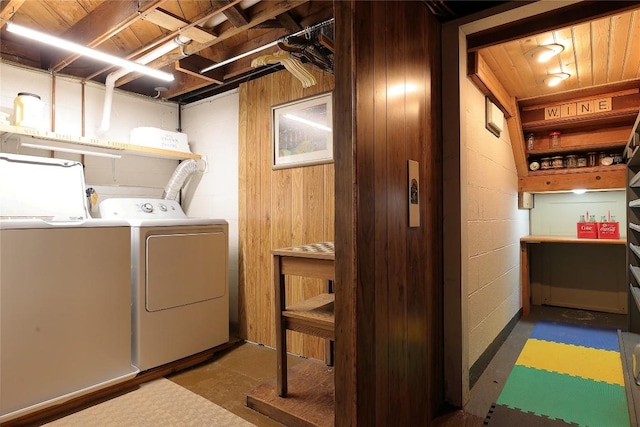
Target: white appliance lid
[{"x": 41, "y": 187}]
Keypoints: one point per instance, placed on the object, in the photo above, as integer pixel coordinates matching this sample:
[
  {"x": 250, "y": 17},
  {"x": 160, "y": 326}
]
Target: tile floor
[{"x": 227, "y": 378}]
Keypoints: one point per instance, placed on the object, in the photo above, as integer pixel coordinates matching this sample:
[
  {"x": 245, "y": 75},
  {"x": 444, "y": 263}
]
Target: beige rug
[{"x": 155, "y": 404}]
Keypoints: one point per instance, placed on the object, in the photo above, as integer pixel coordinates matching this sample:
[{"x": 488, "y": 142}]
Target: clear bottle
[
  {"x": 555, "y": 138},
  {"x": 581, "y": 218},
  {"x": 531, "y": 141}
]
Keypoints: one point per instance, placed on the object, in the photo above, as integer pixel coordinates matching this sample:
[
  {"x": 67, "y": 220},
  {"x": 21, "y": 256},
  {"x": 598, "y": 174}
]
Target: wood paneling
[
  {"x": 278, "y": 208},
  {"x": 388, "y": 276}
]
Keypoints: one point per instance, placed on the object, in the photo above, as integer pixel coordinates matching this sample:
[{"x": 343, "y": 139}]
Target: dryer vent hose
[{"x": 179, "y": 177}]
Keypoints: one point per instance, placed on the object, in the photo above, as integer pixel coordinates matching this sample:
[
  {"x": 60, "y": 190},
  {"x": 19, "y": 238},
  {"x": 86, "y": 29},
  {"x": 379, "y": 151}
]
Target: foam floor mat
[{"x": 565, "y": 373}]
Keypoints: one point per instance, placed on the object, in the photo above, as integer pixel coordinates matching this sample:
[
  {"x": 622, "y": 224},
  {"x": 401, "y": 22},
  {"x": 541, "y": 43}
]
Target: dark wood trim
[{"x": 345, "y": 217}]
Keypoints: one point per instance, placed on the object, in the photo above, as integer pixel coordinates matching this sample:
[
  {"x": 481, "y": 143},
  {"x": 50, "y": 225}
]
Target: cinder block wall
[{"x": 494, "y": 227}]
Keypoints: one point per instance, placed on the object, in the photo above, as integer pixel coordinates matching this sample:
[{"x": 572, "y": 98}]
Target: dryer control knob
[
  {"x": 147, "y": 207},
  {"x": 162, "y": 207}
]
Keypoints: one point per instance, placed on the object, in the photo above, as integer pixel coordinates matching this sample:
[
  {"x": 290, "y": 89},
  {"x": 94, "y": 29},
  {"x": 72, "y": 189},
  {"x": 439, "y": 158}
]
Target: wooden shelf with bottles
[
  {"x": 63, "y": 141},
  {"x": 603, "y": 129}
]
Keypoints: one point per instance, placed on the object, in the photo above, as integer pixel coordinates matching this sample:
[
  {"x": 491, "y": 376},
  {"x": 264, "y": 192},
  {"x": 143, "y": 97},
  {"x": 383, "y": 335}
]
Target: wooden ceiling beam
[
  {"x": 234, "y": 14},
  {"x": 198, "y": 21},
  {"x": 174, "y": 23},
  {"x": 267, "y": 25},
  {"x": 8, "y": 8},
  {"x": 105, "y": 21},
  {"x": 185, "y": 82},
  {"x": 288, "y": 23},
  {"x": 194, "y": 63},
  {"x": 275, "y": 8}
]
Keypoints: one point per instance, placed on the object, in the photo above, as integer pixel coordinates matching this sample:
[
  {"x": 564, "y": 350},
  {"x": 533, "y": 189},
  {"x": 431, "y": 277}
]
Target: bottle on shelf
[{"x": 531, "y": 141}]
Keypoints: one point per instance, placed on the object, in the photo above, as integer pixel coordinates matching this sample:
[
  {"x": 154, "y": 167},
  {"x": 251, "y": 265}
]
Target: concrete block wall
[{"x": 494, "y": 227}]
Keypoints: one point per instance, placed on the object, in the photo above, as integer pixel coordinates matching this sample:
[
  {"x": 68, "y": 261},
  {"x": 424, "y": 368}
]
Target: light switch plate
[{"x": 414, "y": 193}]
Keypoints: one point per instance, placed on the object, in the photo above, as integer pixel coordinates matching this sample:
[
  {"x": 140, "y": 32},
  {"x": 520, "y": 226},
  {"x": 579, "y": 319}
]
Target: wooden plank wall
[
  {"x": 389, "y": 293},
  {"x": 278, "y": 208}
]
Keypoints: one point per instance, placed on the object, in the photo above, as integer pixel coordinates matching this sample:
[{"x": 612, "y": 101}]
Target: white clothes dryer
[{"x": 179, "y": 278}]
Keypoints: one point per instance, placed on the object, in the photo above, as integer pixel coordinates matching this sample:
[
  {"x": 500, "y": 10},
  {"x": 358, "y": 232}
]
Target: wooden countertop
[{"x": 570, "y": 239}]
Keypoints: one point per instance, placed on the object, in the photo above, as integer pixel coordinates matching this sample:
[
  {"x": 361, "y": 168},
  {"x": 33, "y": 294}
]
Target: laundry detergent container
[{"x": 28, "y": 111}]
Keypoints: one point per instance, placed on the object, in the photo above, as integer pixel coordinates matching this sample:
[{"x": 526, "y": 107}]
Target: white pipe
[
  {"x": 179, "y": 177},
  {"x": 110, "y": 82},
  {"x": 110, "y": 85}
]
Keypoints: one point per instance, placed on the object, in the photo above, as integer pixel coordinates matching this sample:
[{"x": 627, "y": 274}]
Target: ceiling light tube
[
  {"x": 70, "y": 150},
  {"x": 266, "y": 46},
  {"x": 235, "y": 58},
  {"x": 83, "y": 50}
]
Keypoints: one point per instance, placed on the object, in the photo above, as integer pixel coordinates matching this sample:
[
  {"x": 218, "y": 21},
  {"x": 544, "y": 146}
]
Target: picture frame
[{"x": 302, "y": 132}]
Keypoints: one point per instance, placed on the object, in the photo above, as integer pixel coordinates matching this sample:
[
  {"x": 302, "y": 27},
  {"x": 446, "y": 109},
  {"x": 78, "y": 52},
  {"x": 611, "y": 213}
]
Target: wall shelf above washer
[{"x": 83, "y": 143}]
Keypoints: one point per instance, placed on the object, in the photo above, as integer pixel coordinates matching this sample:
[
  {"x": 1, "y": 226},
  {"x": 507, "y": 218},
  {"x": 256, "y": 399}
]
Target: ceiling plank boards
[
  {"x": 8, "y": 8},
  {"x": 101, "y": 24},
  {"x": 174, "y": 23},
  {"x": 559, "y": 18},
  {"x": 276, "y": 7},
  {"x": 600, "y": 52},
  {"x": 234, "y": 14},
  {"x": 194, "y": 63}
]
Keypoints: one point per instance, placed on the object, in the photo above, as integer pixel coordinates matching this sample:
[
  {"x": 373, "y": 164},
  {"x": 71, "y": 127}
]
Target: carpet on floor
[
  {"x": 157, "y": 403},
  {"x": 566, "y": 374}
]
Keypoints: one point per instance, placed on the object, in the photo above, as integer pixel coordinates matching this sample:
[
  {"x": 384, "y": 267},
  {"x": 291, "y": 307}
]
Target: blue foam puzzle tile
[{"x": 585, "y": 336}]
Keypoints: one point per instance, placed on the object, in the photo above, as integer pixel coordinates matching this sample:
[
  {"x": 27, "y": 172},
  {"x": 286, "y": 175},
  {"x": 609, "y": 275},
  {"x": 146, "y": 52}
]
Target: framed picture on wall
[{"x": 302, "y": 132}]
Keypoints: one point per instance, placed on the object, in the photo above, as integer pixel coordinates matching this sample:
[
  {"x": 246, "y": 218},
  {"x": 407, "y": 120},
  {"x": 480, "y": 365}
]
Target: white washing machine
[{"x": 179, "y": 279}]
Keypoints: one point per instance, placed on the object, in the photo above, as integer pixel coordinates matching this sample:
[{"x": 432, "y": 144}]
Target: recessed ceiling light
[
  {"x": 545, "y": 52},
  {"x": 554, "y": 79}
]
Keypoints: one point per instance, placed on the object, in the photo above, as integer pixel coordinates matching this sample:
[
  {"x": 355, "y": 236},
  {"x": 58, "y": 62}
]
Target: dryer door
[{"x": 185, "y": 268}]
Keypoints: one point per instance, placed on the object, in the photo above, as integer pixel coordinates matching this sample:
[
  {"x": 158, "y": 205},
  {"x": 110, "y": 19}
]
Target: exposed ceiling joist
[
  {"x": 287, "y": 21},
  {"x": 194, "y": 63},
  {"x": 101, "y": 24},
  {"x": 276, "y": 7},
  {"x": 174, "y": 23},
  {"x": 8, "y": 8},
  {"x": 234, "y": 14}
]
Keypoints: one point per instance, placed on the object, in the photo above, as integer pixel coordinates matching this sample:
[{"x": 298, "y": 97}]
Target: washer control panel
[{"x": 140, "y": 208}]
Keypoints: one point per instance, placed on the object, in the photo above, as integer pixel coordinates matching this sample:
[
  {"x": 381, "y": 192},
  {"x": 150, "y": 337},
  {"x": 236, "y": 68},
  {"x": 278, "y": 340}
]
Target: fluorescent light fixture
[
  {"x": 70, "y": 150},
  {"x": 83, "y": 50},
  {"x": 306, "y": 122},
  {"x": 579, "y": 191},
  {"x": 545, "y": 52},
  {"x": 552, "y": 80}
]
